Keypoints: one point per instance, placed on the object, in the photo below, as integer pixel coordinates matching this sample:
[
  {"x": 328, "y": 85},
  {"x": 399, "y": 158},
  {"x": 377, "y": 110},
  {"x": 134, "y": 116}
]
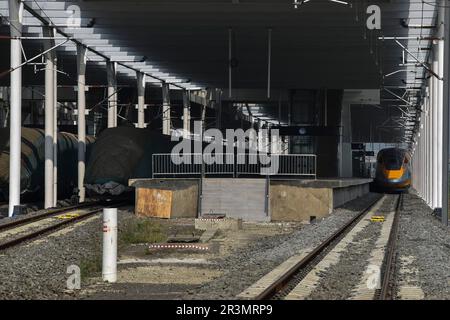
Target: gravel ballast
[
  {"x": 339, "y": 281},
  {"x": 38, "y": 269},
  {"x": 425, "y": 242},
  {"x": 248, "y": 264}
]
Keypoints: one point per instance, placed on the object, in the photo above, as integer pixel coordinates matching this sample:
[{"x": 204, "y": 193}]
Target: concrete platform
[
  {"x": 255, "y": 199},
  {"x": 304, "y": 200}
]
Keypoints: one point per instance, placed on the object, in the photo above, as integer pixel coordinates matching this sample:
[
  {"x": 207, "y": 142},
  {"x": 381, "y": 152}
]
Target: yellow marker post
[
  {"x": 377, "y": 218},
  {"x": 67, "y": 216}
]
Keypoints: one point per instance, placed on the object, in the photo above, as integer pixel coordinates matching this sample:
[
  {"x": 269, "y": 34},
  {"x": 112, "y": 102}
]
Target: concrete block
[
  {"x": 224, "y": 224},
  {"x": 166, "y": 198},
  {"x": 295, "y": 203},
  {"x": 208, "y": 235}
]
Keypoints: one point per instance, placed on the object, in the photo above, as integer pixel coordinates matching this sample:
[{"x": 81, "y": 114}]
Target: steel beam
[
  {"x": 15, "y": 136},
  {"x": 81, "y": 69}
]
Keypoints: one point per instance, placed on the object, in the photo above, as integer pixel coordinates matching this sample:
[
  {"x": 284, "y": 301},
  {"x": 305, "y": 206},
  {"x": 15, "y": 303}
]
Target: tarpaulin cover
[
  {"x": 33, "y": 158},
  {"x": 122, "y": 153}
]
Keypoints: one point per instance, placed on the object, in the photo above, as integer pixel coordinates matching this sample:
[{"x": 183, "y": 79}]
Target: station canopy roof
[{"x": 314, "y": 44}]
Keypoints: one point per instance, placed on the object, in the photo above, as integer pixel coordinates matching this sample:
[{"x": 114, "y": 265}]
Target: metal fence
[{"x": 193, "y": 164}]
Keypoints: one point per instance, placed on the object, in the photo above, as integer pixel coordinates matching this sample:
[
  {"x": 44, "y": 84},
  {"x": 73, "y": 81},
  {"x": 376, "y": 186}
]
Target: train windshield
[{"x": 393, "y": 159}]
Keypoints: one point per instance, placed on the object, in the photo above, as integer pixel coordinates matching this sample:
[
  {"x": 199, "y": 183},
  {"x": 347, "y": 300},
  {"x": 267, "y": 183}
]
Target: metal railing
[
  {"x": 279, "y": 165},
  {"x": 194, "y": 164}
]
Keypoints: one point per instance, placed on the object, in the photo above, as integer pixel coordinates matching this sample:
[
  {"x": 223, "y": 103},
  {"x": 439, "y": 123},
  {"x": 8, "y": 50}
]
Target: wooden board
[{"x": 154, "y": 203}]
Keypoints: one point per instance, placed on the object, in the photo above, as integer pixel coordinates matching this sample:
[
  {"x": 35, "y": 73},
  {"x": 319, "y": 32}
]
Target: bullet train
[{"x": 393, "y": 172}]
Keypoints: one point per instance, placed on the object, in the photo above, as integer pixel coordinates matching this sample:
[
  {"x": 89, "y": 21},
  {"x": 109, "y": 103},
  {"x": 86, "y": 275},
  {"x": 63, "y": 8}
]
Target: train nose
[{"x": 393, "y": 174}]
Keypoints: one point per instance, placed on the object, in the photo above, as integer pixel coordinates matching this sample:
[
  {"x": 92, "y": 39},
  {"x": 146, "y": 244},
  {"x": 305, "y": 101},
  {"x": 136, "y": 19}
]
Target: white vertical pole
[
  {"x": 141, "y": 99},
  {"x": 186, "y": 114},
  {"x": 417, "y": 175},
  {"x": 55, "y": 131},
  {"x": 424, "y": 167},
  {"x": 81, "y": 68},
  {"x": 166, "y": 108},
  {"x": 440, "y": 108},
  {"x": 430, "y": 150},
  {"x": 109, "y": 265},
  {"x": 112, "y": 94},
  {"x": 417, "y": 159},
  {"x": 434, "y": 144},
  {"x": 15, "y": 136},
  {"x": 424, "y": 146},
  {"x": 429, "y": 147},
  {"x": 445, "y": 105},
  {"x": 49, "y": 119},
  {"x": 426, "y": 152}
]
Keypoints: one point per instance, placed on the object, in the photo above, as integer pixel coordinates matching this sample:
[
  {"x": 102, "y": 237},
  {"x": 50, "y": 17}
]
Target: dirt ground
[{"x": 175, "y": 274}]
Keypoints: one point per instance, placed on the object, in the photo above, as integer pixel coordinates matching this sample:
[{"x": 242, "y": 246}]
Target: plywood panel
[{"x": 154, "y": 203}]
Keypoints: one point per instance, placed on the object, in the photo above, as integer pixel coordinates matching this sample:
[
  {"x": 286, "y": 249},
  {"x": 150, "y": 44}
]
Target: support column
[
  {"x": 426, "y": 150},
  {"x": 141, "y": 99},
  {"x": 112, "y": 94},
  {"x": 440, "y": 109},
  {"x": 166, "y": 108},
  {"x": 81, "y": 68},
  {"x": 49, "y": 119},
  {"x": 15, "y": 136},
  {"x": 430, "y": 146},
  {"x": 446, "y": 105},
  {"x": 435, "y": 139},
  {"x": 186, "y": 114},
  {"x": 55, "y": 130}
]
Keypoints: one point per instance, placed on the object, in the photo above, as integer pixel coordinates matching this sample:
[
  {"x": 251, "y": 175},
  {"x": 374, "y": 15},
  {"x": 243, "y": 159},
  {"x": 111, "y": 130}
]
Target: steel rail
[
  {"x": 281, "y": 283},
  {"x": 46, "y": 214},
  {"x": 48, "y": 230},
  {"x": 389, "y": 265}
]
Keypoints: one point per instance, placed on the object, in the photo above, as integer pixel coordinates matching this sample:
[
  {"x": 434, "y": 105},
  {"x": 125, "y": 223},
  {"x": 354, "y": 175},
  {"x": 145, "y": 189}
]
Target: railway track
[
  {"x": 387, "y": 291},
  {"x": 19, "y": 231},
  {"x": 45, "y": 213},
  {"x": 299, "y": 276}
]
